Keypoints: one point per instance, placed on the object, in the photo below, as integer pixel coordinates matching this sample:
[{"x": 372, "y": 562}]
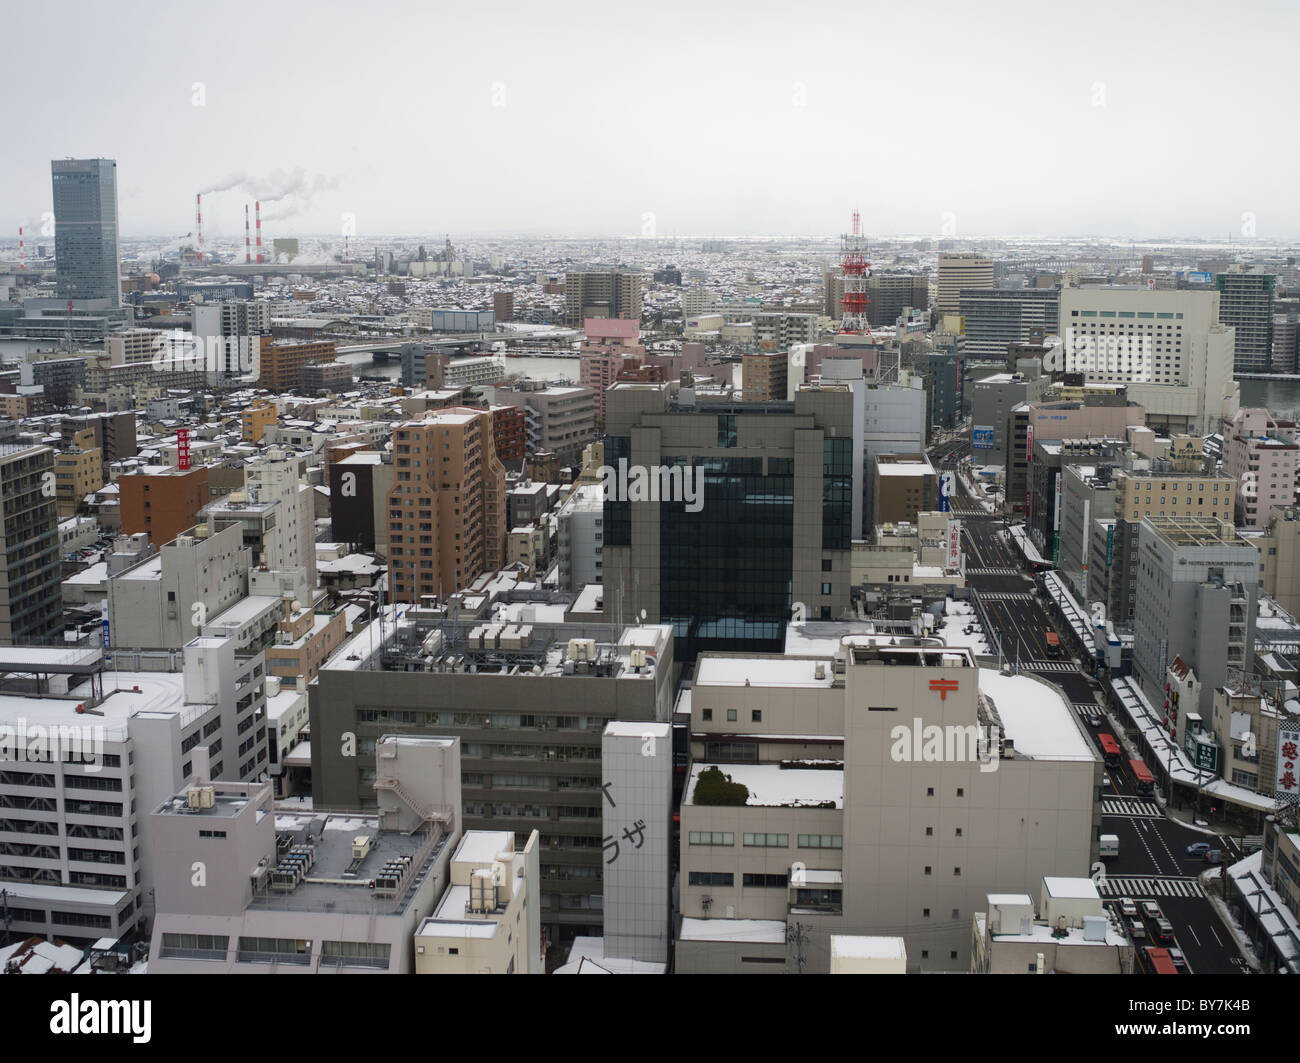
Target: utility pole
[{"x": 797, "y": 937}]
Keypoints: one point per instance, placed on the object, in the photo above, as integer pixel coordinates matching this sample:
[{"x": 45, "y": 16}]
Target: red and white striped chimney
[
  {"x": 248, "y": 252},
  {"x": 198, "y": 222},
  {"x": 257, "y": 210},
  {"x": 22, "y": 254}
]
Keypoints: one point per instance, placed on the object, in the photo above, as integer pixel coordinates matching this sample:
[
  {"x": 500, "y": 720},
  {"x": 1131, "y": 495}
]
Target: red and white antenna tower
[
  {"x": 22, "y": 253},
  {"x": 855, "y": 267},
  {"x": 198, "y": 222},
  {"x": 345, "y": 249},
  {"x": 257, "y": 212},
  {"x": 248, "y": 242}
]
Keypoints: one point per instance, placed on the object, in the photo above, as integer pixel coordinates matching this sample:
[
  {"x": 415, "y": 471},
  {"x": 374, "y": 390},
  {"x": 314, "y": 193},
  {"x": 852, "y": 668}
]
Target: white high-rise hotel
[{"x": 1166, "y": 346}]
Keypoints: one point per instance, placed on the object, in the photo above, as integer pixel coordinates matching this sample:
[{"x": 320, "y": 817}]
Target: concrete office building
[
  {"x": 489, "y": 920},
  {"x": 1259, "y": 452},
  {"x": 996, "y": 318},
  {"x": 778, "y": 498},
  {"x": 581, "y": 539},
  {"x": 77, "y": 859},
  {"x": 637, "y": 779},
  {"x": 558, "y": 418},
  {"x": 529, "y": 698},
  {"x": 446, "y": 511},
  {"x": 1197, "y": 588},
  {"x": 163, "y": 599},
  {"x": 112, "y": 433},
  {"x": 31, "y": 602},
  {"x": 277, "y": 896},
  {"x": 946, "y": 390},
  {"x": 1279, "y": 558},
  {"x": 422, "y": 366},
  {"x": 1167, "y": 346},
  {"x": 614, "y": 293},
  {"x": 86, "y": 251},
  {"x": 276, "y": 513},
  {"x": 957, "y": 272},
  {"x": 992, "y": 400},
  {"x": 888, "y": 295},
  {"x": 1070, "y": 933},
  {"x": 1246, "y": 306},
  {"x": 905, "y": 487},
  {"x": 882, "y": 837}
]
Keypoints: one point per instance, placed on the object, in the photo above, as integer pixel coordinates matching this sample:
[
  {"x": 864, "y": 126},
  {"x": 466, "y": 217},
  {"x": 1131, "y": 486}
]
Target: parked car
[
  {"x": 1164, "y": 929},
  {"x": 1127, "y": 908},
  {"x": 1198, "y": 848},
  {"x": 1151, "y": 910},
  {"x": 1136, "y": 930},
  {"x": 1214, "y": 856},
  {"x": 1251, "y": 848}
]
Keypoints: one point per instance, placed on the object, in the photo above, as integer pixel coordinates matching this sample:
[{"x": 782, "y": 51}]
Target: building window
[
  {"x": 756, "y": 716},
  {"x": 711, "y": 878},
  {"x": 821, "y": 841},
  {"x": 731, "y": 716},
  {"x": 767, "y": 882},
  {"x": 707, "y": 714},
  {"x": 715, "y": 837},
  {"x": 767, "y": 841}
]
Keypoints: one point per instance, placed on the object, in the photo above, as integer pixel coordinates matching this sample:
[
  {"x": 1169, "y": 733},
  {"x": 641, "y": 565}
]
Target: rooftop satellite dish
[{"x": 643, "y": 615}]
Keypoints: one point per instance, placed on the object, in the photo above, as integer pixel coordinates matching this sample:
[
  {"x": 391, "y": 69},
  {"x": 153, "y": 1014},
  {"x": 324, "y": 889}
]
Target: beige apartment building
[
  {"x": 77, "y": 474},
  {"x": 765, "y": 377},
  {"x": 484, "y": 923},
  {"x": 957, "y": 272},
  {"x": 888, "y": 789},
  {"x": 447, "y": 508},
  {"x": 1279, "y": 558}
]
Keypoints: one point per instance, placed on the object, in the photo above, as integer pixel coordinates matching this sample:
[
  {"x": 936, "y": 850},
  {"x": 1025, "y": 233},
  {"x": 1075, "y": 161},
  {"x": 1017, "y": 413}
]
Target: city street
[{"x": 1152, "y": 862}]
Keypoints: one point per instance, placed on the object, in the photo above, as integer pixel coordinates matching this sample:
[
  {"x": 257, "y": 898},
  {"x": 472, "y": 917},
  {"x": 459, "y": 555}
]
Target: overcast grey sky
[{"x": 1129, "y": 119}]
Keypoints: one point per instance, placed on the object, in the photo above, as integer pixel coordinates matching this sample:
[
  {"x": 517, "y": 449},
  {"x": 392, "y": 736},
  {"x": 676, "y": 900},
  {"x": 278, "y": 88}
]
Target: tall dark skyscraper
[{"x": 85, "y": 229}]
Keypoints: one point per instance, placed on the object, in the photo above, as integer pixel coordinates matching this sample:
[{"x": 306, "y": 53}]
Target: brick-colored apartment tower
[
  {"x": 510, "y": 432},
  {"x": 281, "y": 362},
  {"x": 162, "y": 504},
  {"x": 447, "y": 507}
]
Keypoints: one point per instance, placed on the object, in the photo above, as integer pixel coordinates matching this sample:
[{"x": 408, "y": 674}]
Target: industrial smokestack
[
  {"x": 257, "y": 211},
  {"x": 22, "y": 254},
  {"x": 248, "y": 248},
  {"x": 198, "y": 222}
]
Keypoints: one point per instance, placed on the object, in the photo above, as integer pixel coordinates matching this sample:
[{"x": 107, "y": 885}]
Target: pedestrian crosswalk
[
  {"x": 1087, "y": 709},
  {"x": 1129, "y": 806},
  {"x": 1006, "y": 596},
  {"x": 994, "y": 572},
  {"x": 1047, "y": 666},
  {"x": 1149, "y": 887}
]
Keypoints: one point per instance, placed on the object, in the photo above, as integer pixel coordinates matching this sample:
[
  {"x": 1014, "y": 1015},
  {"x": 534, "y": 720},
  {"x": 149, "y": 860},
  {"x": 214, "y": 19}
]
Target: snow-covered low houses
[{"x": 863, "y": 783}]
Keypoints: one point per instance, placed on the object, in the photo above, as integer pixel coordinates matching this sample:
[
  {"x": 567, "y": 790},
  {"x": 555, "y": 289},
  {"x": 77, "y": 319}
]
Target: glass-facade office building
[
  {"x": 769, "y": 535},
  {"x": 85, "y": 229}
]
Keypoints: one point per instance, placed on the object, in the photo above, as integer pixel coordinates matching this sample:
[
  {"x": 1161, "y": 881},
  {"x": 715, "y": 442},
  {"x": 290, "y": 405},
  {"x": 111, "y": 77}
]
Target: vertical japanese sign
[
  {"x": 1029, "y": 472},
  {"x": 183, "y": 449},
  {"x": 1287, "y": 785},
  {"x": 954, "y": 544}
]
